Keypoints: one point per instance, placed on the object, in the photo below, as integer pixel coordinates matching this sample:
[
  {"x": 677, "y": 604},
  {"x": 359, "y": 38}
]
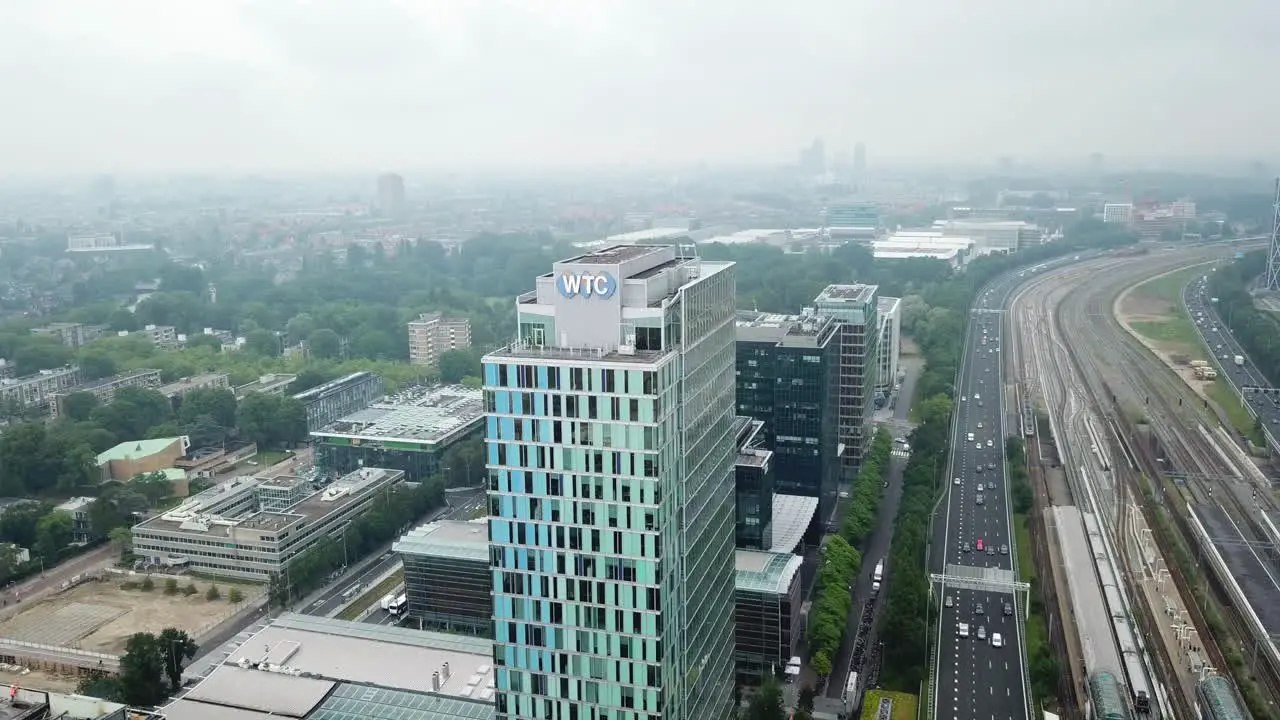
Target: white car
[
  {"x": 988, "y": 443},
  {"x": 979, "y": 426},
  {"x": 978, "y": 445},
  {"x": 996, "y": 640},
  {"x": 976, "y": 396},
  {"x": 962, "y": 630},
  {"x": 955, "y": 481}
]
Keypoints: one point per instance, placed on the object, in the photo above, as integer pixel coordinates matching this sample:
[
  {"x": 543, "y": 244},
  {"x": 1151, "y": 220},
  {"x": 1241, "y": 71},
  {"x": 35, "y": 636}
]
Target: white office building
[{"x": 889, "y": 313}]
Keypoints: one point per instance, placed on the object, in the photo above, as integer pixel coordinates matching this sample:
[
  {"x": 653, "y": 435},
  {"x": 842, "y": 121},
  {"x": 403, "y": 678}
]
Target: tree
[
  {"x": 134, "y": 411},
  {"x": 213, "y": 593},
  {"x": 821, "y": 663},
  {"x": 805, "y": 701},
  {"x": 235, "y": 596},
  {"x": 176, "y": 647},
  {"x": 767, "y": 703},
  {"x": 463, "y": 462},
  {"x": 19, "y": 521},
  {"x": 262, "y": 342},
  {"x": 216, "y": 403},
  {"x": 53, "y": 533},
  {"x": 95, "y": 364},
  {"x": 324, "y": 343},
  {"x": 458, "y": 364},
  {"x": 142, "y": 671},
  {"x": 299, "y": 328},
  {"x": 79, "y": 405},
  {"x": 271, "y": 420},
  {"x": 154, "y": 487},
  {"x": 121, "y": 539}
]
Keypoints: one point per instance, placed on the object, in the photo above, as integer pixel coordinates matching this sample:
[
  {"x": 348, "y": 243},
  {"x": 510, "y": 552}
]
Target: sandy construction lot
[{"x": 100, "y": 616}]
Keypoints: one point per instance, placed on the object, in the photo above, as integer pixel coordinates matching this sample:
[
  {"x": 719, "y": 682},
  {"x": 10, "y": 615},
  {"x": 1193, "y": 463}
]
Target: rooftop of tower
[{"x": 854, "y": 293}]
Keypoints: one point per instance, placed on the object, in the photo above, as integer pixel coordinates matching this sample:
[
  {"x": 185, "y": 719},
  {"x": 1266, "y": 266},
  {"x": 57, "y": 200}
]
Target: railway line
[{"x": 1209, "y": 478}]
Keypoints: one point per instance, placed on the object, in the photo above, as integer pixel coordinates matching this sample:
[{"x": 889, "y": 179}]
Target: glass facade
[
  {"x": 449, "y": 594},
  {"x": 340, "y": 455},
  {"x": 611, "y": 529},
  {"x": 856, "y": 309},
  {"x": 791, "y": 385},
  {"x": 753, "y": 494}
]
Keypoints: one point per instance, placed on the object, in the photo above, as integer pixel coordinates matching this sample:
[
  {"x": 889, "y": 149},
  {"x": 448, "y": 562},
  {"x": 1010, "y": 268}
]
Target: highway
[
  {"x": 1214, "y": 334},
  {"x": 975, "y": 678},
  {"x": 364, "y": 573}
]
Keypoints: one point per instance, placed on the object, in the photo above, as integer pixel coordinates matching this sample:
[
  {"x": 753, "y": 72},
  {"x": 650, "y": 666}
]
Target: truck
[
  {"x": 877, "y": 577},
  {"x": 1199, "y": 363},
  {"x": 1239, "y": 361},
  {"x": 385, "y": 602},
  {"x": 1206, "y": 373}
]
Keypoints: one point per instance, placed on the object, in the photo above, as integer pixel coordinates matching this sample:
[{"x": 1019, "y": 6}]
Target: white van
[{"x": 970, "y": 437}]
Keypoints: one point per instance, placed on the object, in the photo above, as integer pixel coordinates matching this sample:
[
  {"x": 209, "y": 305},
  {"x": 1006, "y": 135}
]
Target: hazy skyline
[{"x": 147, "y": 85}]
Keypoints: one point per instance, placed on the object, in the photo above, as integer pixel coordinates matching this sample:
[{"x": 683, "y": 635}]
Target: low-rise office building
[
  {"x": 766, "y": 610},
  {"x": 447, "y": 579},
  {"x": 316, "y": 668},
  {"x": 208, "y": 462},
  {"x": 889, "y": 313},
  {"x": 408, "y": 431},
  {"x": 105, "y": 389},
  {"x": 164, "y": 337},
  {"x": 253, "y": 528},
  {"x": 328, "y": 402}
]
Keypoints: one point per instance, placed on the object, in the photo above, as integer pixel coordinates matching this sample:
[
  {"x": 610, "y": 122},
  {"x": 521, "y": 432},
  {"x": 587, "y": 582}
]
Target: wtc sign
[{"x": 587, "y": 285}]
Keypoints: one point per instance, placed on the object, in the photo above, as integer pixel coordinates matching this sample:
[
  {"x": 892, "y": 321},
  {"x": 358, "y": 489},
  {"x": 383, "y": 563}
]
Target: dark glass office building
[
  {"x": 855, "y": 308},
  {"x": 787, "y": 377},
  {"x": 447, "y": 579},
  {"x": 753, "y": 494}
]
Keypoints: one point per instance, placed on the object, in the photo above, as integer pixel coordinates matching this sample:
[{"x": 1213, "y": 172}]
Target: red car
[{"x": 979, "y": 544}]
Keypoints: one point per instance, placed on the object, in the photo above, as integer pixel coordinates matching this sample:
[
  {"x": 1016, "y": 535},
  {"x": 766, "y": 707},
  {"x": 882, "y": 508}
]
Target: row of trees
[
  {"x": 842, "y": 559},
  {"x": 769, "y": 703},
  {"x": 150, "y": 669},
  {"x": 935, "y": 319},
  {"x": 1043, "y": 666},
  {"x": 391, "y": 513}
]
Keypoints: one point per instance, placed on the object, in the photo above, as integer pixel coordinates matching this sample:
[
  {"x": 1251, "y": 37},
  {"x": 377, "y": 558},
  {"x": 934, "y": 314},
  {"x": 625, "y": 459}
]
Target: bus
[
  {"x": 852, "y": 695},
  {"x": 397, "y": 607}
]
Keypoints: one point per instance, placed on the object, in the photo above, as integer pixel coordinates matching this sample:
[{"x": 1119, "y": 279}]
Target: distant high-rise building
[
  {"x": 432, "y": 335},
  {"x": 391, "y": 194},
  {"x": 813, "y": 159},
  {"x": 611, "y": 485},
  {"x": 855, "y": 307},
  {"x": 859, "y": 163},
  {"x": 853, "y": 220}
]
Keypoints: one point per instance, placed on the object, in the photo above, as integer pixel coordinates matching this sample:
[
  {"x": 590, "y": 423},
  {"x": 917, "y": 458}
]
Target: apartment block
[
  {"x": 270, "y": 384},
  {"x": 855, "y": 308},
  {"x": 432, "y": 335},
  {"x": 105, "y": 389},
  {"x": 611, "y": 465},
  {"x": 39, "y": 389},
  {"x": 73, "y": 335}
]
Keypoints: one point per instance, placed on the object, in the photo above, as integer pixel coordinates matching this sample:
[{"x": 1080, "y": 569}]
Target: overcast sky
[{"x": 127, "y": 85}]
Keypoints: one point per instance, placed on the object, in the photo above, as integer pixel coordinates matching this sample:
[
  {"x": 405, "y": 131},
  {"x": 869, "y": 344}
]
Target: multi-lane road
[
  {"x": 1215, "y": 335},
  {"x": 977, "y": 674}
]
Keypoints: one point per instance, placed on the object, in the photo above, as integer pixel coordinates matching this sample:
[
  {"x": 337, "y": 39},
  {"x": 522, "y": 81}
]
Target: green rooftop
[{"x": 135, "y": 449}]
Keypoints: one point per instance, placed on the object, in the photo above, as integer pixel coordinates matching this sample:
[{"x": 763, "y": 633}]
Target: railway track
[{"x": 1120, "y": 369}]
